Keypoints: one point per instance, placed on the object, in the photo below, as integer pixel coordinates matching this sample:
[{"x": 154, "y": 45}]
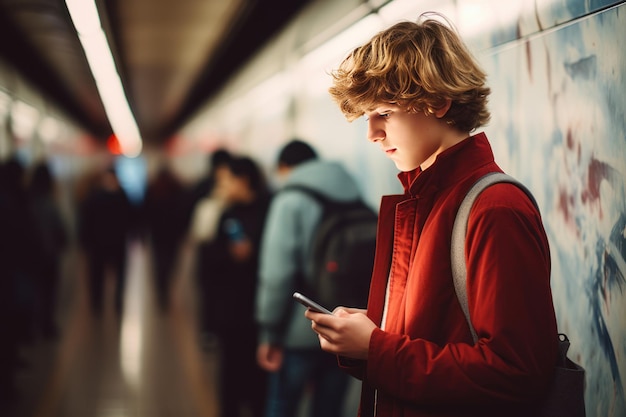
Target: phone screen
[{"x": 307, "y": 302}]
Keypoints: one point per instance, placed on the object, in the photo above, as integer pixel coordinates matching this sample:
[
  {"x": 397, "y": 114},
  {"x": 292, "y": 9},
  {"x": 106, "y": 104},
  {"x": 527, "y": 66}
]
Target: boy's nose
[{"x": 374, "y": 134}]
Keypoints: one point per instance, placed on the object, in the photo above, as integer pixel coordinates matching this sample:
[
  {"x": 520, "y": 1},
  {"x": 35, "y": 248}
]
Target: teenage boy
[{"x": 423, "y": 95}]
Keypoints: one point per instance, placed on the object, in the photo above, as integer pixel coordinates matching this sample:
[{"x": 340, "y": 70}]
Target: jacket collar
[{"x": 454, "y": 163}]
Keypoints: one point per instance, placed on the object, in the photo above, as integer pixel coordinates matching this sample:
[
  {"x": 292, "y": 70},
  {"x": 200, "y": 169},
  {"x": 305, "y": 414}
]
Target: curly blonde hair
[{"x": 417, "y": 66}]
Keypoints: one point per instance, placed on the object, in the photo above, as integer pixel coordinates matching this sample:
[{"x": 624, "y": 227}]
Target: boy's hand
[{"x": 347, "y": 332}]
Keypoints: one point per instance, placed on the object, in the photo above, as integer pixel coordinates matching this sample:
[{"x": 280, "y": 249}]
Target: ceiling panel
[
  {"x": 172, "y": 55},
  {"x": 165, "y": 47}
]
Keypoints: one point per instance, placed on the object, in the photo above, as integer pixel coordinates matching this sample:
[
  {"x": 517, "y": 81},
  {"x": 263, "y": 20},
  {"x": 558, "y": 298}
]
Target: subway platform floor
[{"x": 142, "y": 364}]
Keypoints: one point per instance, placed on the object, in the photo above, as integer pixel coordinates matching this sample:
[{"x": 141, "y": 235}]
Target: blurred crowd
[{"x": 220, "y": 218}]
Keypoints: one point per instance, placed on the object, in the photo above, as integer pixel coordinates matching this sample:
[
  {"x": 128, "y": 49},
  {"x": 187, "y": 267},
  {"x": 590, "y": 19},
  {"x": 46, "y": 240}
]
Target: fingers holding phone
[{"x": 343, "y": 333}]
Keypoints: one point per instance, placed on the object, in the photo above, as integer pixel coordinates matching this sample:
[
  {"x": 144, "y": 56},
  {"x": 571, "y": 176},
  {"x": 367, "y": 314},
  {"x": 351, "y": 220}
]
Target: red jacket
[{"x": 424, "y": 362}]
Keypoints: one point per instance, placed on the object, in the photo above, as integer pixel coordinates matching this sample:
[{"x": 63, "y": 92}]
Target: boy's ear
[{"x": 441, "y": 111}]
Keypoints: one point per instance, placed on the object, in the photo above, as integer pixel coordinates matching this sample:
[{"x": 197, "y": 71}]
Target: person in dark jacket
[
  {"x": 423, "y": 95},
  {"x": 51, "y": 239},
  {"x": 165, "y": 217},
  {"x": 232, "y": 272},
  {"x": 105, "y": 221},
  {"x": 17, "y": 277},
  {"x": 205, "y": 210}
]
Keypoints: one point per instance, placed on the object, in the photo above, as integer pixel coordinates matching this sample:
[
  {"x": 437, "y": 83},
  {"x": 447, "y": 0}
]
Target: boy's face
[{"x": 408, "y": 139}]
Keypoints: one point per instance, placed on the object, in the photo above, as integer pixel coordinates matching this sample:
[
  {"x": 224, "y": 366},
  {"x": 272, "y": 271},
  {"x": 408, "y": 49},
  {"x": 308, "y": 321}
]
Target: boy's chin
[{"x": 405, "y": 167}]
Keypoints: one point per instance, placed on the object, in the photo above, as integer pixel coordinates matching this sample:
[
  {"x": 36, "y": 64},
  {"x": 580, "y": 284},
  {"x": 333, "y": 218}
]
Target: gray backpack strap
[{"x": 457, "y": 247}]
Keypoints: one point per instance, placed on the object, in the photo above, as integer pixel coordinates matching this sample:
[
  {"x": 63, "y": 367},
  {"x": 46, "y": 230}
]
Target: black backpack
[{"x": 342, "y": 252}]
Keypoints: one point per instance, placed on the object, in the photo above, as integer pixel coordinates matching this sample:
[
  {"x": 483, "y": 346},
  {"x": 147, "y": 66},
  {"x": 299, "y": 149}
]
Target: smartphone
[{"x": 307, "y": 302}]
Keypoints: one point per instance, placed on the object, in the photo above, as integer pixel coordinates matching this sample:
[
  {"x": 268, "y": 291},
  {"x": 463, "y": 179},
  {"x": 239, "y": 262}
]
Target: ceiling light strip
[{"x": 84, "y": 14}]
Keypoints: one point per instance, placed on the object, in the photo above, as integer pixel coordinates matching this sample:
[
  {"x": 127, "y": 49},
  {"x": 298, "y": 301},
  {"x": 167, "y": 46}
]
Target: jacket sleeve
[
  {"x": 510, "y": 304},
  {"x": 353, "y": 367}
]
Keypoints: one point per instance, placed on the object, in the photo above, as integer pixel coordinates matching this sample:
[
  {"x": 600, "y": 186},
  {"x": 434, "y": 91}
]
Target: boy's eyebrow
[
  {"x": 382, "y": 109},
  {"x": 381, "y": 105}
]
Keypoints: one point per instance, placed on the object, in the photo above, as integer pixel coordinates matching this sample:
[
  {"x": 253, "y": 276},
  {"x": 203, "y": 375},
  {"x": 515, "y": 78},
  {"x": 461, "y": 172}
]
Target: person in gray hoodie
[{"x": 288, "y": 348}]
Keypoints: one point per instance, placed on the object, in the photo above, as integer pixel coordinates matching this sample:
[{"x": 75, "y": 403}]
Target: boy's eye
[{"x": 379, "y": 115}]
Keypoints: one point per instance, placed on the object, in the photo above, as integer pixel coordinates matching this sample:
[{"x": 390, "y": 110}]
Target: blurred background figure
[
  {"x": 105, "y": 222},
  {"x": 206, "y": 209},
  {"x": 288, "y": 349},
  {"x": 165, "y": 218},
  {"x": 51, "y": 238},
  {"x": 16, "y": 280},
  {"x": 231, "y": 277}
]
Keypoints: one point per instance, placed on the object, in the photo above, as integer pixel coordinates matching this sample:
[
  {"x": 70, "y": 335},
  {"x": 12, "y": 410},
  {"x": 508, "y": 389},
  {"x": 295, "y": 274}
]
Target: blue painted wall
[{"x": 559, "y": 100}]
